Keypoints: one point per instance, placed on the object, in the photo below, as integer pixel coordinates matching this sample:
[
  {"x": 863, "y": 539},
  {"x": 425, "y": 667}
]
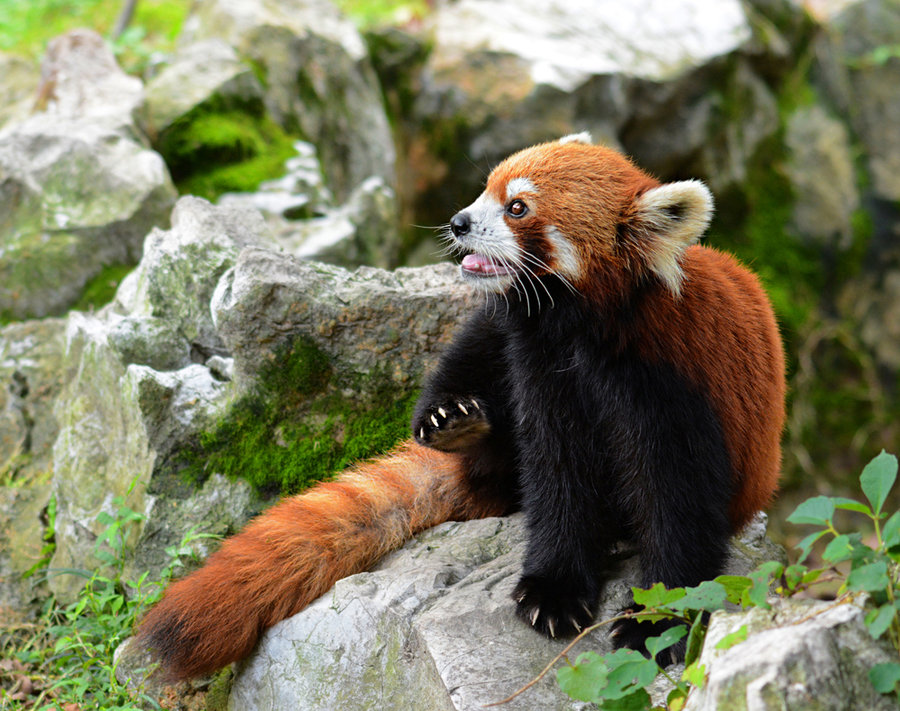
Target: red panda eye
[{"x": 517, "y": 208}]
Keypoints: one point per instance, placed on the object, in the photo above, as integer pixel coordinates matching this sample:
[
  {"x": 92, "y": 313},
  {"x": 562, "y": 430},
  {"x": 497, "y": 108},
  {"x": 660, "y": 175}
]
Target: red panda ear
[
  {"x": 671, "y": 217},
  {"x": 583, "y": 137}
]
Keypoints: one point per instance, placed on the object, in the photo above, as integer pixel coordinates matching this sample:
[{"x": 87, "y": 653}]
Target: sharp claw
[
  {"x": 534, "y": 616},
  {"x": 551, "y": 626},
  {"x": 442, "y": 411},
  {"x": 421, "y": 433},
  {"x": 464, "y": 410},
  {"x": 575, "y": 624},
  {"x": 434, "y": 420},
  {"x": 475, "y": 403},
  {"x": 587, "y": 609}
]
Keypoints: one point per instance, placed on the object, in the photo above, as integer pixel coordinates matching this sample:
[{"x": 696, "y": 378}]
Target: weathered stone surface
[
  {"x": 78, "y": 188},
  {"x": 119, "y": 417},
  {"x": 317, "y": 78},
  {"x": 196, "y": 75},
  {"x": 367, "y": 321},
  {"x": 800, "y": 655},
  {"x": 19, "y": 79},
  {"x": 674, "y": 83},
  {"x": 151, "y": 370},
  {"x": 22, "y": 531},
  {"x": 31, "y": 355},
  {"x": 305, "y": 221},
  {"x": 860, "y": 76},
  {"x": 822, "y": 174},
  {"x": 431, "y": 627}
]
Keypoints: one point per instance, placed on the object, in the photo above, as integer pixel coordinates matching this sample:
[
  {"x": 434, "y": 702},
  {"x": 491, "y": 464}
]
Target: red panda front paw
[
  {"x": 452, "y": 425},
  {"x": 553, "y": 608}
]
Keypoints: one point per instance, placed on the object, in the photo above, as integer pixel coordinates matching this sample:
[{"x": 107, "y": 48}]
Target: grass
[{"x": 26, "y": 26}]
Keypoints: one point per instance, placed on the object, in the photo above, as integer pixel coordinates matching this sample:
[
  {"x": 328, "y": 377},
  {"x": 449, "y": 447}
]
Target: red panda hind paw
[
  {"x": 452, "y": 425},
  {"x": 553, "y": 613}
]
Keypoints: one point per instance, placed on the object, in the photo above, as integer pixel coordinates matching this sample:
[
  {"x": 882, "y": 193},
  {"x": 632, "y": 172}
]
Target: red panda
[{"x": 619, "y": 382}]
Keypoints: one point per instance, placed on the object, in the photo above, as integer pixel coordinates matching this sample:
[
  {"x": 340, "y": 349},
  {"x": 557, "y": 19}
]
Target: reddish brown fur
[
  {"x": 602, "y": 222},
  {"x": 298, "y": 549},
  {"x": 689, "y": 333}
]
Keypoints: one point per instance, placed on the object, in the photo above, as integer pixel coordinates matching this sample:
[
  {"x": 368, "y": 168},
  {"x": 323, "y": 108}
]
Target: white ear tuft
[
  {"x": 675, "y": 215},
  {"x": 583, "y": 137}
]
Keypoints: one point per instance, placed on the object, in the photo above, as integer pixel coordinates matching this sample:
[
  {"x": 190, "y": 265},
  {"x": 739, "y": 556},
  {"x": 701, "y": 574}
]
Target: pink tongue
[{"x": 481, "y": 264}]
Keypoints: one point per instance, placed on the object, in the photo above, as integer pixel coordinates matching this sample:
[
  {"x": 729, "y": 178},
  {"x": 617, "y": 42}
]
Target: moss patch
[
  {"x": 212, "y": 151},
  {"x": 100, "y": 290},
  {"x": 300, "y": 425}
]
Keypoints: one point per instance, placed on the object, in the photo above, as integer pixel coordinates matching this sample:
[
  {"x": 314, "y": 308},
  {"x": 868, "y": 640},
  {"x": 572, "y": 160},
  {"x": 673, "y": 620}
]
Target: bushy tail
[{"x": 294, "y": 552}]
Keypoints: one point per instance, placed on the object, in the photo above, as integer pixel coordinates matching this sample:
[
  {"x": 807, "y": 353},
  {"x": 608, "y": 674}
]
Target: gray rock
[
  {"x": 368, "y": 321},
  {"x": 674, "y": 83},
  {"x": 198, "y": 74},
  {"x": 189, "y": 331},
  {"x": 132, "y": 394},
  {"x": 822, "y": 174},
  {"x": 799, "y": 655},
  {"x": 317, "y": 77},
  {"x": 78, "y": 187},
  {"x": 860, "y": 77},
  {"x": 19, "y": 79},
  {"x": 431, "y": 627},
  {"x": 31, "y": 355}
]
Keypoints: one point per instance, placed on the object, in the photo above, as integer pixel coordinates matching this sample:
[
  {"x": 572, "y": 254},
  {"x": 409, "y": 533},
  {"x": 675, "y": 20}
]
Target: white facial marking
[
  {"x": 519, "y": 185},
  {"x": 564, "y": 253},
  {"x": 489, "y": 235}
]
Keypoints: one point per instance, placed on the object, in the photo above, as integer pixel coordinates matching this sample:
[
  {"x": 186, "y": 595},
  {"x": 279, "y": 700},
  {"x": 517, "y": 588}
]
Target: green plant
[
  {"x": 870, "y": 573},
  {"x": 68, "y": 657}
]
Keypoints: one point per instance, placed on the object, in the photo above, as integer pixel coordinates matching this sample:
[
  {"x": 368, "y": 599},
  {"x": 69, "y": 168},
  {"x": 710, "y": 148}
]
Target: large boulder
[
  {"x": 683, "y": 86},
  {"x": 318, "y": 79},
  {"x": 79, "y": 188},
  {"x": 433, "y": 626},
  {"x": 801, "y": 654},
  {"x": 168, "y": 386}
]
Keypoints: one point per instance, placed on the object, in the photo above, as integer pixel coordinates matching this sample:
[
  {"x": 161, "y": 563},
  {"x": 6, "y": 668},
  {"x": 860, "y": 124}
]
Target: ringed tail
[{"x": 295, "y": 552}]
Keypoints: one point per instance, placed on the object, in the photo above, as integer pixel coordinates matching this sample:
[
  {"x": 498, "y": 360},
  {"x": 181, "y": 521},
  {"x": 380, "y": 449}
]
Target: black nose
[{"x": 459, "y": 224}]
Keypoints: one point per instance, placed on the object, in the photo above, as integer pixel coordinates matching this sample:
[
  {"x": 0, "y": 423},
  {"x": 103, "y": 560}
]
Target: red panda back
[{"x": 721, "y": 334}]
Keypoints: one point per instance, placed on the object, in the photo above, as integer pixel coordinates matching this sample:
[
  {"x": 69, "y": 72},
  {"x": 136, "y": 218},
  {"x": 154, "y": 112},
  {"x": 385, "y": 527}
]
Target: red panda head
[{"x": 578, "y": 211}]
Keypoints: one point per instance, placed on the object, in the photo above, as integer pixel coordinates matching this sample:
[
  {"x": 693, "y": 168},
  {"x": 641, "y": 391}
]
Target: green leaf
[
  {"x": 818, "y": 510},
  {"x": 871, "y": 577},
  {"x": 885, "y": 677},
  {"x": 584, "y": 679},
  {"x": 628, "y": 670},
  {"x": 734, "y": 586},
  {"x": 676, "y": 698},
  {"x": 879, "y": 619},
  {"x": 695, "y": 640},
  {"x": 657, "y": 596},
  {"x": 890, "y": 534},
  {"x": 851, "y": 505},
  {"x": 655, "y": 645},
  {"x": 839, "y": 549},
  {"x": 637, "y": 700},
  {"x": 877, "y": 479},
  {"x": 708, "y": 595},
  {"x": 695, "y": 674},
  {"x": 736, "y": 637},
  {"x": 807, "y": 543}
]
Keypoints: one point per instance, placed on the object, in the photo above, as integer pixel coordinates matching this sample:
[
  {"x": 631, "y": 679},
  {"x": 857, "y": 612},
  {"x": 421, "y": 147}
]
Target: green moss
[
  {"x": 299, "y": 426},
  {"x": 214, "y": 150},
  {"x": 219, "y": 691},
  {"x": 367, "y": 13},
  {"x": 100, "y": 290}
]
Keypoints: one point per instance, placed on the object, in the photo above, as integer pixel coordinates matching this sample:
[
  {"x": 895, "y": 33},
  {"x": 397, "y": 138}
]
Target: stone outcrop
[
  {"x": 432, "y": 627},
  {"x": 79, "y": 189},
  {"x": 801, "y": 654}
]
